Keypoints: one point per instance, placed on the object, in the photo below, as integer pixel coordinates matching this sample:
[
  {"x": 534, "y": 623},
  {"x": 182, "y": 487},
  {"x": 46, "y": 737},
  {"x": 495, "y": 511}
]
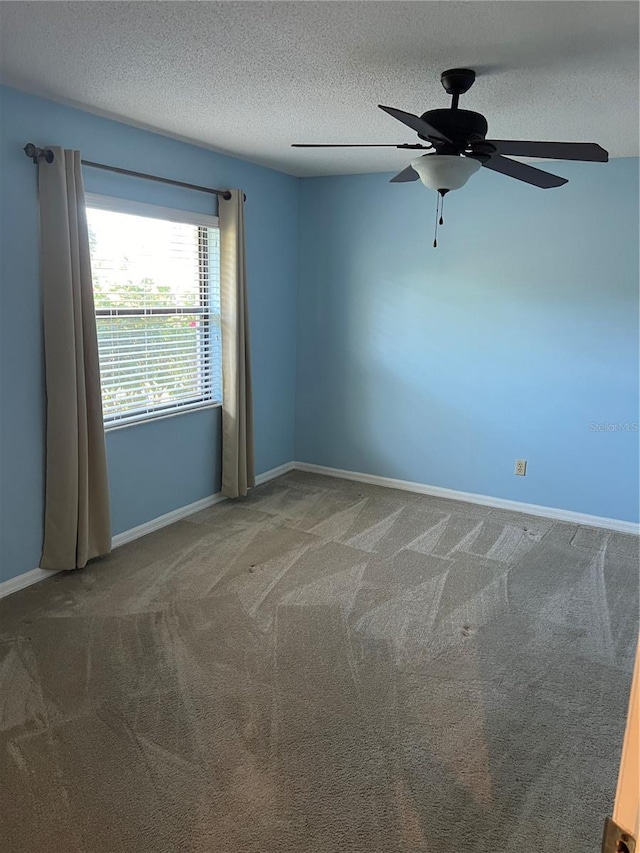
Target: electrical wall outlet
[{"x": 521, "y": 467}]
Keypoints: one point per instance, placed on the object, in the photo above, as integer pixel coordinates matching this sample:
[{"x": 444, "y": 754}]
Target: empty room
[{"x": 319, "y": 407}]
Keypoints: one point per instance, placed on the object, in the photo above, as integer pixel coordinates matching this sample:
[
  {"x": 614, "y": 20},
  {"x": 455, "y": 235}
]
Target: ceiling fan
[
  {"x": 458, "y": 148},
  {"x": 459, "y": 135}
]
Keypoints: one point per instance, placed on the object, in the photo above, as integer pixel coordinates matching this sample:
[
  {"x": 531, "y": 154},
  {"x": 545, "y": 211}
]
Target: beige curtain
[
  {"x": 76, "y": 523},
  {"x": 237, "y": 402}
]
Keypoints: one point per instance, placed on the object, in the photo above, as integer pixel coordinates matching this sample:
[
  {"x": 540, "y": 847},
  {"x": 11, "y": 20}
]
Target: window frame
[{"x": 114, "y": 204}]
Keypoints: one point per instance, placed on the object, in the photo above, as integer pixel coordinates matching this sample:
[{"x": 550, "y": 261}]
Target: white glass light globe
[{"x": 445, "y": 171}]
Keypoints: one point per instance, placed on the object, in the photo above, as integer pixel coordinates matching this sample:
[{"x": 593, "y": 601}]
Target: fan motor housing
[{"x": 461, "y": 126}]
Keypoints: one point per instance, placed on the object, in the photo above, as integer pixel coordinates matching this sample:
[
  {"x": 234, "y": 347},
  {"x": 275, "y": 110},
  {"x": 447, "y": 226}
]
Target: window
[{"x": 156, "y": 284}]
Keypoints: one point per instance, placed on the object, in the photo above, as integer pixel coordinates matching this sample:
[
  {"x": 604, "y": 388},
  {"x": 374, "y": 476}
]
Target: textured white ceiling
[{"x": 250, "y": 78}]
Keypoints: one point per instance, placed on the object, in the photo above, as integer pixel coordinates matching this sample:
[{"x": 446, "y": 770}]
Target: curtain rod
[{"x": 47, "y": 154}]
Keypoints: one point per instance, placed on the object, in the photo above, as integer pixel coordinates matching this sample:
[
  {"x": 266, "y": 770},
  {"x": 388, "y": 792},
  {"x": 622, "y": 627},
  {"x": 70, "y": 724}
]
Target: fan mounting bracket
[{"x": 457, "y": 81}]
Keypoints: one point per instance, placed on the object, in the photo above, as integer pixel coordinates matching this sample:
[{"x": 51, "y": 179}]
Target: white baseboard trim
[
  {"x": 190, "y": 509},
  {"x": 470, "y": 497},
  {"x": 165, "y": 520},
  {"x": 275, "y": 472},
  {"x": 35, "y": 575},
  {"x": 24, "y": 580}
]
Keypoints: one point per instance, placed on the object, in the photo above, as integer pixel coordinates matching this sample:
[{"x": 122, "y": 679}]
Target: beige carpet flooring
[{"x": 324, "y": 667}]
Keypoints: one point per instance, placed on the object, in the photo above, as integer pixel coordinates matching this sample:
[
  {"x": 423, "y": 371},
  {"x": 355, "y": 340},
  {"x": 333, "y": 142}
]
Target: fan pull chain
[{"x": 439, "y": 217}]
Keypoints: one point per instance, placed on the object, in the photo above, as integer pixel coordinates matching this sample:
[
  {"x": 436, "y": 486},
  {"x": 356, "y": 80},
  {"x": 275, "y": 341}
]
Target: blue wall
[
  {"x": 443, "y": 366},
  {"x": 438, "y": 366},
  {"x": 154, "y": 467}
]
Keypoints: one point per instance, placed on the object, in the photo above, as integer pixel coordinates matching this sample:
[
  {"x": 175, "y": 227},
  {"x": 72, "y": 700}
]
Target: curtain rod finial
[
  {"x": 35, "y": 153},
  {"x": 227, "y": 195}
]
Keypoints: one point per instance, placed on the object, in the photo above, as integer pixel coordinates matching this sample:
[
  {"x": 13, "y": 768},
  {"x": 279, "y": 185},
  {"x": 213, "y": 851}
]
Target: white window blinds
[{"x": 157, "y": 297}]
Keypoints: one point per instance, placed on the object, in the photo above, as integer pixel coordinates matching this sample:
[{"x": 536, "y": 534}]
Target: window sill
[{"x": 147, "y": 419}]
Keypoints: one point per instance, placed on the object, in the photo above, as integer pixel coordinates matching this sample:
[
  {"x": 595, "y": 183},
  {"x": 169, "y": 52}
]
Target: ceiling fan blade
[
  {"x": 408, "y": 174},
  {"x": 588, "y": 151},
  {"x": 523, "y": 172},
  {"x": 366, "y": 145},
  {"x": 416, "y": 123}
]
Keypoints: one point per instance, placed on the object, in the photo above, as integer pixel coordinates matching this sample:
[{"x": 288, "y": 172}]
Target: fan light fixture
[{"x": 445, "y": 171}]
